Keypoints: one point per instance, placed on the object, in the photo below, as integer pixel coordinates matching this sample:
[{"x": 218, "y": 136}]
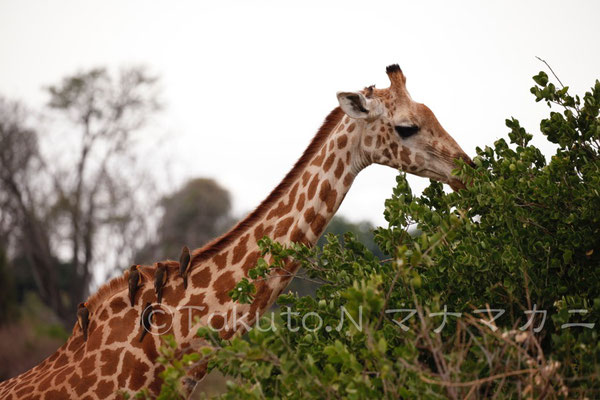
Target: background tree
[
  {"x": 192, "y": 216},
  {"x": 22, "y": 225},
  {"x": 363, "y": 231},
  {"x": 8, "y": 300},
  {"x": 71, "y": 198}
]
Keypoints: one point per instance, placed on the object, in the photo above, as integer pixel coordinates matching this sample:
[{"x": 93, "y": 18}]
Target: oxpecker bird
[
  {"x": 134, "y": 282},
  {"x": 83, "y": 319},
  {"x": 160, "y": 280},
  {"x": 146, "y": 320},
  {"x": 184, "y": 261}
]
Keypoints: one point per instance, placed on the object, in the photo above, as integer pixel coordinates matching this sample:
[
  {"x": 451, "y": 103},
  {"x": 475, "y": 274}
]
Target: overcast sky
[{"x": 248, "y": 83}]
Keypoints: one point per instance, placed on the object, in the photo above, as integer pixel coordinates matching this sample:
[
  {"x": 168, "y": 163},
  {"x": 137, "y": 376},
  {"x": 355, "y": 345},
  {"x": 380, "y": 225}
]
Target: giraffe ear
[{"x": 354, "y": 104}]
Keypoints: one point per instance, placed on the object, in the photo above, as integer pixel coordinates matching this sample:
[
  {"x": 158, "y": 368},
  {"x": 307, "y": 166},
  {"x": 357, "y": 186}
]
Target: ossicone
[
  {"x": 390, "y": 69},
  {"x": 397, "y": 78}
]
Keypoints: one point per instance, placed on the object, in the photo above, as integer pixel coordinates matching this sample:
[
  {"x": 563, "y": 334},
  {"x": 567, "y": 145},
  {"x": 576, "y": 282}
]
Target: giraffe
[{"x": 382, "y": 126}]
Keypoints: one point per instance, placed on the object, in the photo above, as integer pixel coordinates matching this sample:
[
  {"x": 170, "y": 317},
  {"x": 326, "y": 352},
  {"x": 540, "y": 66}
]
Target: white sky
[{"x": 247, "y": 84}]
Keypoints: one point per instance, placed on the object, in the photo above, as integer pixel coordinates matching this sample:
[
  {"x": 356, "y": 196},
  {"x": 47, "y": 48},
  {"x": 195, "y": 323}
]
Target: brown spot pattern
[
  {"x": 94, "y": 340},
  {"x": 58, "y": 394},
  {"x": 201, "y": 278},
  {"x": 75, "y": 342},
  {"x": 318, "y": 224},
  {"x": 109, "y": 361},
  {"x": 250, "y": 261},
  {"x": 419, "y": 159},
  {"x": 348, "y": 179},
  {"x": 283, "y": 208},
  {"x": 61, "y": 361},
  {"x": 405, "y": 155},
  {"x": 300, "y": 204},
  {"x": 394, "y": 148},
  {"x": 298, "y": 236},
  {"x": 105, "y": 389},
  {"x": 221, "y": 259},
  {"x": 88, "y": 365},
  {"x": 261, "y": 232},
  {"x": 329, "y": 162},
  {"x": 176, "y": 292},
  {"x": 120, "y": 327},
  {"x": 283, "y": 226},
  {"x": 309, "y": 215},
  {"x": 117, "y": 305},
  {"x": 132, "y": 369},
  {"x": 305, "y": 178},
  {"x": 216, "y": 321},
  {"x": 223, "y": 285},
  {"x": 240, "y": 250},
  {"x": 75, "y": 382},
  {"x": 258, "y": 231},
  {"x": 196, "y": 309},
  {"x": 328, "y": 195},
  {"x": 103, "y": 316},
  {"x": 61, "y": 376},
  {"x": 339, "y": 169},
  {"x": 319, "y": 159},
  {"x": 312, "y": 189},
  {"x": 261, "y": 299},
  {"x": 149, "y": 346}
]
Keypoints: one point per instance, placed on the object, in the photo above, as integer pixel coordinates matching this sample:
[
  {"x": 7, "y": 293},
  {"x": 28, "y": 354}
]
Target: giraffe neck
[{"x": 298, "y": 210}]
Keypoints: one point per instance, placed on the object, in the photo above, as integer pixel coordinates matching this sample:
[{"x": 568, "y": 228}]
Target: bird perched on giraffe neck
[
  {"x": 134, "y": 282},
  {"x": 146, "y": 320},
  {"x": 184, "y": 261},
  {"x": 83, "y": 319},
  {"x": 160, "y": 279}
]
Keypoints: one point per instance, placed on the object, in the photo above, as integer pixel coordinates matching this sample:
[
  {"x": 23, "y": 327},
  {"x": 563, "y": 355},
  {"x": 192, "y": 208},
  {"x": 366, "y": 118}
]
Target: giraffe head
[{"x": 401, "y": 133}]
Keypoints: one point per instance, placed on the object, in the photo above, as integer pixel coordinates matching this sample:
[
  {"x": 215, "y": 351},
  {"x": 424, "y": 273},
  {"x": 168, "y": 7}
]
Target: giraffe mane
[{"x": 217, "y": 245}]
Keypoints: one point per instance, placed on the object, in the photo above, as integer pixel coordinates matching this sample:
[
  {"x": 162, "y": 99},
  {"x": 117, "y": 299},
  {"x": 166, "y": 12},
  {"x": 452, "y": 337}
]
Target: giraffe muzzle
[{"x": 457, "y": 184}]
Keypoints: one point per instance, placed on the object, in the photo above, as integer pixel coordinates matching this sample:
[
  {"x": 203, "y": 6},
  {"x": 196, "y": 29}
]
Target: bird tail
[{"x": 185, "y": 281}]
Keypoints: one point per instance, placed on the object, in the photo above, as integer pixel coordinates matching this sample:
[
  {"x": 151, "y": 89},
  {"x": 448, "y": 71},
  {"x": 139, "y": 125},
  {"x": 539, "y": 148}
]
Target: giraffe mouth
[
  {"x": 429, "y": 173},
  {"x": 457, "y": 184},
  {"x": 454, "y": 183}
]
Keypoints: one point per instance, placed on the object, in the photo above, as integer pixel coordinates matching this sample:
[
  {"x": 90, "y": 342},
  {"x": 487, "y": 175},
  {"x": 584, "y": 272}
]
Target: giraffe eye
[{"x": 406, "y": 131}]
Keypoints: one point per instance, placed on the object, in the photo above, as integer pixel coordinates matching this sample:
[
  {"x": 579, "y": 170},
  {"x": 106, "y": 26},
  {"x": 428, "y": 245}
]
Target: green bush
[{"x": 524, "y": 236}]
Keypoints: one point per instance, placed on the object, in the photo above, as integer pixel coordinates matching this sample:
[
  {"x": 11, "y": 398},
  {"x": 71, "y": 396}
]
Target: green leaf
[{"x": 541, "y": 78}]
